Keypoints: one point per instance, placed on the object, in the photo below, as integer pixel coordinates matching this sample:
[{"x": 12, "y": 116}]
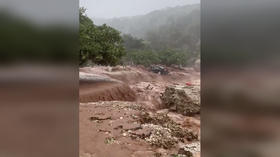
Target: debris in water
[
  {"x": 109, "y": 140},
  {"x": 136, "y": 128},
  {"x": 101, "y": 130},
  {"x": 188, "y": 84},
  {"x": 118, "y": 127},
  {"x": 97, "y": 118}
]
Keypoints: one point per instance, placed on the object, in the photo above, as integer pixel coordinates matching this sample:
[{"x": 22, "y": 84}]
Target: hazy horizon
[{"x": 128, "y": 8}]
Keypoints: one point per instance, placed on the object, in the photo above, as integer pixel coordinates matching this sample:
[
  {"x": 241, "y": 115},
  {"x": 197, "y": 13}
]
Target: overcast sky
[{"x": 120, "y": 8}]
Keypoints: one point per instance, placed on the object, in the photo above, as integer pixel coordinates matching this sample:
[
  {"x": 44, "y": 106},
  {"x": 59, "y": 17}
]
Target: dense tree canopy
[
  {"x": 167, "y": 36},
  {"x": 100, "y": 44},
  {"x": 131, "y": 42},
  {"x": 171, "y": 28},
  {"x": 164, "y": 57}
]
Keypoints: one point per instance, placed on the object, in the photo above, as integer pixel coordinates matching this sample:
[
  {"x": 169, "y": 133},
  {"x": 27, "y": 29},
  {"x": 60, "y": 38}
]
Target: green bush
[
  {"x": 165, "y": 57},
  {"x": 100, "y": 44}
]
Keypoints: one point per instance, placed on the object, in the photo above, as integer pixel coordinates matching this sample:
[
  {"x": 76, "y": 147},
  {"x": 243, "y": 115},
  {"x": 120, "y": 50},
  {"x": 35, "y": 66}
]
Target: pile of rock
[
  {"x": 164, "y": 132},
  {"x": 190, "y": 150},
  {"x": 182, "y": 99}
]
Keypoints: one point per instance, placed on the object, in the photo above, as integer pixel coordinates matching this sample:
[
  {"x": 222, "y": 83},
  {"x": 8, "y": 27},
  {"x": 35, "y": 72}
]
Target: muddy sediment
[
  {"x": 105, "y": 91},
  {"x": 126, "y": 127},
  {"x": 94, "y": 88},
  {"x": 121, "y": 114}
]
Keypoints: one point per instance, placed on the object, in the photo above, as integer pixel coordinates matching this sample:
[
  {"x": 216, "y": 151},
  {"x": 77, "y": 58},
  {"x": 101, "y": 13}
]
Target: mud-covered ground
[{"x": 125, "y": 116}]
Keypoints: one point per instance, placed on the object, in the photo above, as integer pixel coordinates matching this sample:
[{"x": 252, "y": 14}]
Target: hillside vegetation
[
  {"x": 177, "y": 27},
  {"x": 168, "y": 36},
  {"x": 100, "y": 44}
]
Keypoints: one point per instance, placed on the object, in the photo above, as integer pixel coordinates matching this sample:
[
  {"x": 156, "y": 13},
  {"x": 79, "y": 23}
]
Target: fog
[{"x": 123, "y": 8}]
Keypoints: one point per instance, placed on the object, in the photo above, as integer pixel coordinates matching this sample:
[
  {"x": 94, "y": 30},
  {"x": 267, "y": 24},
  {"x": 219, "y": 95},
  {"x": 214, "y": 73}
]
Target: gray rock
[
  {"x": 190, "y": 150},
  {"x": 182, "y": 99}
]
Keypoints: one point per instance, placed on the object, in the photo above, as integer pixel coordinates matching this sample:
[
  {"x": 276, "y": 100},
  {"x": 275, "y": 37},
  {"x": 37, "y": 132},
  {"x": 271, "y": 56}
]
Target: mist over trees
[
  {"x": 177, "y": 27},
  {"x": 168, "y": 36}
]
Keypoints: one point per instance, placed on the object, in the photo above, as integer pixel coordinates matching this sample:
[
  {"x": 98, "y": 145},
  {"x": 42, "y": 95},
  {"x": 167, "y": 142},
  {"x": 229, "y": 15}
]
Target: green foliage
[
  {"x": 168, "y": 36},
  {"x": 181, "y": 31},
  {"x": 169, "y": 57},
  {"x": 170, "y": 28},
  {"x": 100, "y": 44},
  {"x": 165, "y": 57},
  {"x": 131, "y": 42},
  {"x": 142, "y": 57}
]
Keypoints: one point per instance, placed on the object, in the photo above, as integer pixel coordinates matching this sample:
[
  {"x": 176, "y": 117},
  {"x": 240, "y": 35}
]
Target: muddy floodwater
[{"x": 122, "y": 114}]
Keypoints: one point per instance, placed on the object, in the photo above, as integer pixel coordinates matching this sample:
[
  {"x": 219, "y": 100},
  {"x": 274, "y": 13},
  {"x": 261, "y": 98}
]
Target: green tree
[
  {"x": 165, "y": 57},
  {"x": 100, "y": 44},
  {"x": 131, "y": 42},
  {"x": 170, "y": 28},
  {"x": 169, "y": 57}
]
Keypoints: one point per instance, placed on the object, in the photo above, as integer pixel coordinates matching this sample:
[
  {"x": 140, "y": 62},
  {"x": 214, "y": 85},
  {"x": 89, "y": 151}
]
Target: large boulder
[{"x": 182, "y": 99}]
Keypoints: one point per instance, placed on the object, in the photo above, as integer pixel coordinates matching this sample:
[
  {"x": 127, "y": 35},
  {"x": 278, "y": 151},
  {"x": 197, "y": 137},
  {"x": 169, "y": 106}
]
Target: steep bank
[{"x": 93, "y": 88}]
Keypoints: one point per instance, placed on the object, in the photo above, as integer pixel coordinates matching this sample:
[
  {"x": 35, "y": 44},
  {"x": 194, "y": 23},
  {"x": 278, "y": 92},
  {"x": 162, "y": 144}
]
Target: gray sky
[{"x": 120, "y": 8}]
